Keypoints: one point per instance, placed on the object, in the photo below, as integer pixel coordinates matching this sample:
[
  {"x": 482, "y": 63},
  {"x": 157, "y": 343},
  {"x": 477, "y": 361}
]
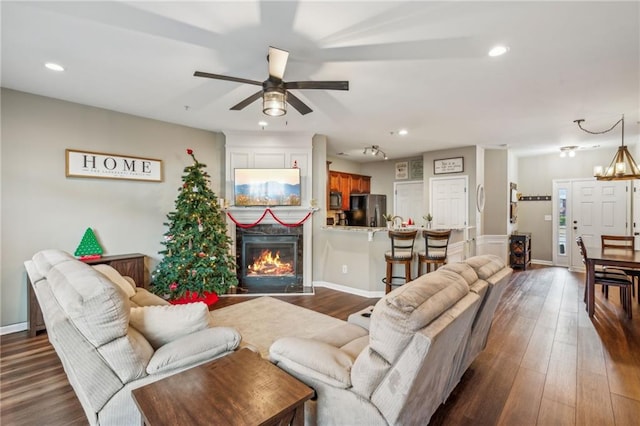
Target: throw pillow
[
  {"x": 161, "y": 324},
  {"x": 116, "y": 278}
]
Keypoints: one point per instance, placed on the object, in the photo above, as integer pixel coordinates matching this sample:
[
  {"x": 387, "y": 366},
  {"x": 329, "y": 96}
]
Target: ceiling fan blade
[
  {"x": 298, "y": 104},
  {"x": 277, "y": 62},
  {"x": 325, "y": 85},
  {"x": 225, "y": 77},
  {"x": 247, "y": 101}
]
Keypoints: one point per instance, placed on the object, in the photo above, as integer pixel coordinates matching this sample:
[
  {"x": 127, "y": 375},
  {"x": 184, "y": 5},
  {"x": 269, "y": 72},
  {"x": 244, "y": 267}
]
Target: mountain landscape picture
[{"x": 267, "y": 187}]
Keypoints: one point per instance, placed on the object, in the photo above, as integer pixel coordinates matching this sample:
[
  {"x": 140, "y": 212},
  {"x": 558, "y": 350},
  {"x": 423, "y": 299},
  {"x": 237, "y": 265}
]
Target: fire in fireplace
[
  {"x": 268, "y": 264},
  {"x": 269, "y": 259}
]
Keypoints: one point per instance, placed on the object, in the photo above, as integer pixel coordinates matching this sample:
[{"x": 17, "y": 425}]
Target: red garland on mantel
[
  {"x": 268, "y": 210},
  {"x": 208, "y": 298}
]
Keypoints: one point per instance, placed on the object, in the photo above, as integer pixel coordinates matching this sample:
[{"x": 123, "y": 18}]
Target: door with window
[{"x": 597, "y": 207}]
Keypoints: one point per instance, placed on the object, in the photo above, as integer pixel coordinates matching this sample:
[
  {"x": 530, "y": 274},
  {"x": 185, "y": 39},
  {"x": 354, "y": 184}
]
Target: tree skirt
[{"x": 208, "y": 298}]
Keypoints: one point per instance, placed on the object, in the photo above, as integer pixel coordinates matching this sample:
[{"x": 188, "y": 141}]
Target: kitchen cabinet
[
  {"x": 335, "y": 180},
  {"x": 347, "y": 184},
  {"x": 360, "y": 184}
]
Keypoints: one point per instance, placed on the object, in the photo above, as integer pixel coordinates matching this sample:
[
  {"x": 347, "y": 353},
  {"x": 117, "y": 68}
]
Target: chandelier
[
  {"x": 374, "y": 150},
  {"x": 622, "y": 167}
]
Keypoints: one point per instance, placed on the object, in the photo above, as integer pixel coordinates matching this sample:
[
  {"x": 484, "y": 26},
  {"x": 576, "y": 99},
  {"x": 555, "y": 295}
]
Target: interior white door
[
  {"x": 408, "y": 200},
  {"x": 449, "y": 202},
  {"x": 597, "y": 207}
]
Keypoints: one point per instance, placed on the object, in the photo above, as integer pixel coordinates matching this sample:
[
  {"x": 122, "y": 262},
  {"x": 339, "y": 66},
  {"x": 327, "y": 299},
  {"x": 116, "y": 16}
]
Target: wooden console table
[
  {"x": 131, "y": 265},
  {"x": 238, "y": 389}
]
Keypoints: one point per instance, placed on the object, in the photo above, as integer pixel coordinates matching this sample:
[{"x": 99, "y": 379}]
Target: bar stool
[
  {"x": 401, "y": 253},
  {"x": 435, "y": 250}
]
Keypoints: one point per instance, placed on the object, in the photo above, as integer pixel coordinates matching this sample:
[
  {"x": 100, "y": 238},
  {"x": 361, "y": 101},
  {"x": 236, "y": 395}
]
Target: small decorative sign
[
  {"x": 415, "y": 169},
  {"x": 402, "y": 170},
  {"x": 111, "y": 166},
  {"x": 448, "y": 165}
]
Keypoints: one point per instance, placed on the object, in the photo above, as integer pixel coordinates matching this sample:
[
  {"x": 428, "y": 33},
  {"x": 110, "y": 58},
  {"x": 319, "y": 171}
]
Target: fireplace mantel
[{"x": 287, "y": 214}]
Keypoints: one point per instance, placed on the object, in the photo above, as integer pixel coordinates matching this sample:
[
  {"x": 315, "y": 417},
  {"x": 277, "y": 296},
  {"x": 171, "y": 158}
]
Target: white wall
[{"x": 41, "y": 208}]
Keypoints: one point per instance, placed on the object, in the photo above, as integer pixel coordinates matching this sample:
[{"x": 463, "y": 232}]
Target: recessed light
[
  {"x": 262, "y": 123},
  {"x": 54, "y": 67},
  {"x": 498, "y": 50},
  {"x": 403, "y": 132}
]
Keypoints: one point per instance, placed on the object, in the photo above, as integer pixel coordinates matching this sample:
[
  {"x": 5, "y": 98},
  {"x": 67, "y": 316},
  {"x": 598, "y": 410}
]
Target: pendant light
[{"x": 623, "y": 166}]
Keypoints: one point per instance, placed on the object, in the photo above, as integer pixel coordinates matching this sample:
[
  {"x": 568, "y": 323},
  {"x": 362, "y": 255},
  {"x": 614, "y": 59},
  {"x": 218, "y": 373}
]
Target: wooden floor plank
[
  {"x": 626, "y": 411},
  {"x": 590, "y": 352},
  {"x": 523, "y": 405},
  {"x": 560, "y": 384},
  {"x": 594, "y": 401},
  {"x": 538, "y": 352},
  {"x": 567, "y": 328},
  {"x": 556, "y": 414}
]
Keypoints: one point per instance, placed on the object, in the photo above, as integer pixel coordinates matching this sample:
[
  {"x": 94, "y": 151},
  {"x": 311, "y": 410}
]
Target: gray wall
[
  {"x": 496, "y": 186},
  {"x": 41, "y": 208},
  {"x": 535, "y": 177}
]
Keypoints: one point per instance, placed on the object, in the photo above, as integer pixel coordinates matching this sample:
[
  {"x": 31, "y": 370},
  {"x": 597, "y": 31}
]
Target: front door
[{"x": 598, "y": 207}]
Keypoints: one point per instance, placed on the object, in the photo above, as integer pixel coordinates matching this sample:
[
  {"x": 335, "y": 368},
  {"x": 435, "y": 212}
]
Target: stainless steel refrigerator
[{"x": 367, "y": 210}]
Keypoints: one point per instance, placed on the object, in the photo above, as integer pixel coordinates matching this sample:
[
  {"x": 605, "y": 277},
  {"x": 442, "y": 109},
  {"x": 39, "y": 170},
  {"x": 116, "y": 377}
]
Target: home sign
[{"x": 111, "y": 166}]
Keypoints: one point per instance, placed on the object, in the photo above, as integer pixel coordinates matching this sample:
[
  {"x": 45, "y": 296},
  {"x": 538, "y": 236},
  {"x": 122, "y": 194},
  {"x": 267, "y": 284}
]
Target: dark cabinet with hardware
[
  {"x": 520, "y": 250},
  {"x": 131, "y": 265}
]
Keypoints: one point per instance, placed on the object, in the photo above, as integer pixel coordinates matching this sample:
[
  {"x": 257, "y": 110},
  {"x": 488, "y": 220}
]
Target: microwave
[{"x": 335, "y": 200}]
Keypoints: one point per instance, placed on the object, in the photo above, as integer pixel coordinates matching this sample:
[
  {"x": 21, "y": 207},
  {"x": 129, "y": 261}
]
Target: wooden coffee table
[{"x": 238, "y": 389}]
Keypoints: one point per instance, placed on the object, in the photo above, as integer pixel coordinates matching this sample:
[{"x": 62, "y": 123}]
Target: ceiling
[{"x": 422, "y": 66}]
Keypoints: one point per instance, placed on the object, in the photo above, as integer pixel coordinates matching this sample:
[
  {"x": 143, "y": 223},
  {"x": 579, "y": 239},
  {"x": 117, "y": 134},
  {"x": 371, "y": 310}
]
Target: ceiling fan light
[{"x": 274, "y": 103}]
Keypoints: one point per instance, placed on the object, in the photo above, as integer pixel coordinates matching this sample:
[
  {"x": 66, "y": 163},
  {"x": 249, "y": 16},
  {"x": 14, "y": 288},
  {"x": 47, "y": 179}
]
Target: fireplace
[{"x": 270, "y": 259}]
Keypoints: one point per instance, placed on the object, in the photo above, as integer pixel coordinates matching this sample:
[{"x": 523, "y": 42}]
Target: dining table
[{"x": 607, "y": 257}]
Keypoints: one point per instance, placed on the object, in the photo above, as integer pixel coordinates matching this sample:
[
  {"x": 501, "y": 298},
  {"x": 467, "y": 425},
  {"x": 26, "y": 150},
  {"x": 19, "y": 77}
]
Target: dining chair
[
  {"x": 625, "y": 242},
  {"x": 401, "y": 252},
  {"x": 609, "y": 277},
  {"x": 435, "y": 250}
]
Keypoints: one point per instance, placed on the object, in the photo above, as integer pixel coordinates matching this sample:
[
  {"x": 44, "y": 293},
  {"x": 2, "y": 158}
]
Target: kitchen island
[{"x": 351, "y": 258}]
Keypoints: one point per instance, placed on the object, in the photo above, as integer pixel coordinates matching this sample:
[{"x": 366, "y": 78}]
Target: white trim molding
[{"x": 13, "y": 328}]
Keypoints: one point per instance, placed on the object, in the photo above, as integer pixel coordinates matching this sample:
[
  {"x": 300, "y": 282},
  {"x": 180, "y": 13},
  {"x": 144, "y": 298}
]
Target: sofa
[
  {"x": 112, "y": 336},
  {"x": 400, "y": 363}
]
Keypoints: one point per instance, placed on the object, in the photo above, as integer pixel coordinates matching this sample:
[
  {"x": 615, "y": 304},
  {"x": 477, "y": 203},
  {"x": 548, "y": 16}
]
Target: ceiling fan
[{"x": 275, "y": 92}]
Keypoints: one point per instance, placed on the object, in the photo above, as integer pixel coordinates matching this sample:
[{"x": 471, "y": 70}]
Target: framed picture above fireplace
[{"x": 267, "y": 187}]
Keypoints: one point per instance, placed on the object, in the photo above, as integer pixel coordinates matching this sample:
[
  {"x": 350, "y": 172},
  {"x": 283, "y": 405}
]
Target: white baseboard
[
  {"x": 542, "y": 262},
  {"x": 350, "y": 290},
  {"x": 13, "y": 328}
]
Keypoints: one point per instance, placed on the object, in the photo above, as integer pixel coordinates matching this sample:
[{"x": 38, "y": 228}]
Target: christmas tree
[
  {"x": 196, "y": 255},
  {"x": 89, "y": 247}
]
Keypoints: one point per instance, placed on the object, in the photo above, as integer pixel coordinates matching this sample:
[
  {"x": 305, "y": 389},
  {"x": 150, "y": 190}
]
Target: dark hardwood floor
[{"x": 546, "y": 362}]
